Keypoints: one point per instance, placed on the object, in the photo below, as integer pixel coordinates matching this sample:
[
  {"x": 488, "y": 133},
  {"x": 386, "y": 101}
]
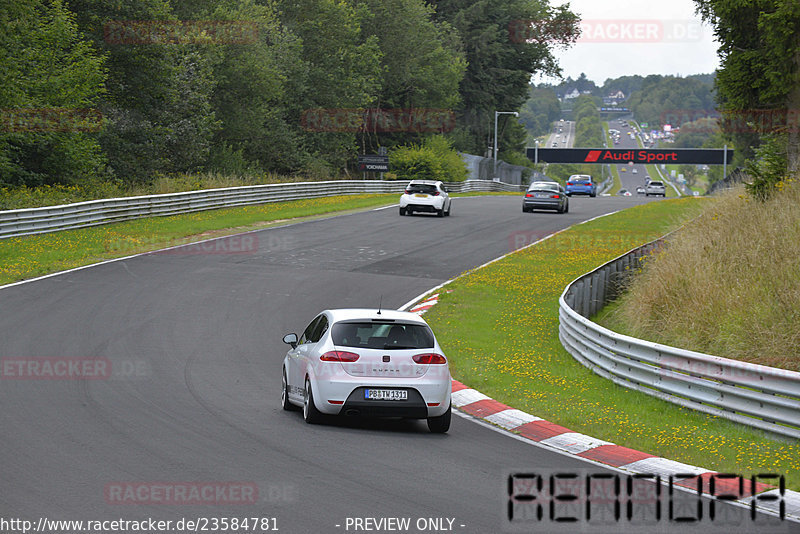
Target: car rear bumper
[
  {"x": 428, "y": 396},
  {"x": 357, "y": 404},
  {"x": 541, "y": 204},
  {"x": 429, "y": 208},
  {"x": 430, "y": 204}
]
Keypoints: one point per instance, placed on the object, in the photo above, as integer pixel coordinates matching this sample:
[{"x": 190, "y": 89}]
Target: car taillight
[
  {"x": 339, "y": 356},
  {"x": 436, "y": 193},
  {"x": 555, "y": 196},
  {"x": 429, "y": 358},
  {"x": 569, "y": 183},
  {"x": 528, "y": 195}
]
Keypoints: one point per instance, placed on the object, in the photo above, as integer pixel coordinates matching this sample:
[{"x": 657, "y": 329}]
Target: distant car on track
[
  {"x": 655, "y": 187},
  {"x": 581, "y": 184},
  {"x": 425, "y": 196},
  {"x": 374, "y": 363},
  {"x": 640, "y": 190},
  {"x": 624, "y": 193},
  {"x": 546, "y": 196}
]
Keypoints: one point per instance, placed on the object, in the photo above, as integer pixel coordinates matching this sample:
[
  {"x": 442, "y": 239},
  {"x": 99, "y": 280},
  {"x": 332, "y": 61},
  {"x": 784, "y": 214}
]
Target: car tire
[
  {"x": 402, "y": 211},
  {"x": 593, "y": 195},
  {"x": 440, "y": 424},
  {"x": 285, "y": 404},
  {"x": 440, "y": 213},
  {"x": 566, "y": 208},
  {"x": 449, "y": 207},
  {"x": 310, "y": 412}
]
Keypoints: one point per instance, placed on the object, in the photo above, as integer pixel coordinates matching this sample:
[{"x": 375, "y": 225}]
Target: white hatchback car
[
  {"x": 374, "y": 363},
  {"x": 425, "y": 195}
]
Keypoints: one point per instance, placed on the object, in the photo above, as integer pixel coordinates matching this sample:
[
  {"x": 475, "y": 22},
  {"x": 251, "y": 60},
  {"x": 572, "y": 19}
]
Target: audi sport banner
[{"x": 627, "y": 155}]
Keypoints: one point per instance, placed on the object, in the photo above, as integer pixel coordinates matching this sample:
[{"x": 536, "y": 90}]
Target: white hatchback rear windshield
[
  {"x": 382, "y": 335},
  {"x": 421, "y": 188}
]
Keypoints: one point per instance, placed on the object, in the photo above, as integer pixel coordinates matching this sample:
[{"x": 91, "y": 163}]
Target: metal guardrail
[
  {"x": 755, "y": 395},
  {"x": 94, "y": 212},
  {"x": 734, "y": 178}
]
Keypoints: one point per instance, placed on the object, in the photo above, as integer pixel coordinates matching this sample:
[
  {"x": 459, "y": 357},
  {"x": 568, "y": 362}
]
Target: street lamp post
[{"x": 496, "y": 113}]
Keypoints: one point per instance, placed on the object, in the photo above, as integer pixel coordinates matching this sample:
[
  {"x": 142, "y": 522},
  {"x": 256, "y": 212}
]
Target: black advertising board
[
  {"x": 623, "y": 156},
  {"x": 373, "y": 162}
]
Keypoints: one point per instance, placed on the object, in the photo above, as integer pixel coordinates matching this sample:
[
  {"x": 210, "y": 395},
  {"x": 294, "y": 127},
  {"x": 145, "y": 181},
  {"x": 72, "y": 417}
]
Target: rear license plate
[
  {"x": 386, "y": 394},
  {"x": 421, "y": 196},
  {"x": 542, "y": 195}
]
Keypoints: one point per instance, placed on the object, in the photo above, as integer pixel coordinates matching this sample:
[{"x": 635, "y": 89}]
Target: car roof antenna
[{"x": 380, "y": 304}]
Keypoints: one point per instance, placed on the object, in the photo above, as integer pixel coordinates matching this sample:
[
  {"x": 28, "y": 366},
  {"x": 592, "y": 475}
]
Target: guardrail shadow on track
[{"x": 755, "y": 395}]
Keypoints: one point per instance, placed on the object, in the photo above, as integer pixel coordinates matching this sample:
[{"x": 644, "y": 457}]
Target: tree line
[{"x": 129, "y": 90}]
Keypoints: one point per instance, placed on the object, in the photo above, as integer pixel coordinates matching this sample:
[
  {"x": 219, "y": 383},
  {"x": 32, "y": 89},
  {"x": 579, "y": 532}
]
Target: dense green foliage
[
  {"x": 435, "y": 159},
  {"x": 540, "y": 110},
  {"x": 500, "y": 61},
  {"x": 46, "y": 68},
  {"x": 227, "y": 85},
  {"x": 665, "y": 99},
  {"x": 758, "y": 84}
]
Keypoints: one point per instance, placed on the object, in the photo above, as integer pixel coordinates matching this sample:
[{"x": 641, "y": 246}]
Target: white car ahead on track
[
  {"x": 425, "y": 195},
  {"x": 372, "y": 363}
]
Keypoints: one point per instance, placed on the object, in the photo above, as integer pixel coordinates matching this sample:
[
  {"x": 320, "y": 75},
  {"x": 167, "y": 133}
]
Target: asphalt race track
[{"x": 193, "y": 341}]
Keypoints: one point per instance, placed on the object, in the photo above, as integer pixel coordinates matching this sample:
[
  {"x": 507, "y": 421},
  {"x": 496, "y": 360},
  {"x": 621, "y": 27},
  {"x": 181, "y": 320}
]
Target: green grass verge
[
  {"x": 499, "y": 327},
  {"x": 701, "y": 185},
  {"x": 35, "y": 255}
]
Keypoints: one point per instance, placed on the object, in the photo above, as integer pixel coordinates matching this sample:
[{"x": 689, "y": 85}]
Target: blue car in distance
[{"x": 581, "y": 184}]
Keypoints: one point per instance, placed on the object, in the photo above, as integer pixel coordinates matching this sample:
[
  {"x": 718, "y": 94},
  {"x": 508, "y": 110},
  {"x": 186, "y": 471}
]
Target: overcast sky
[{"x": 626, "y": 37}]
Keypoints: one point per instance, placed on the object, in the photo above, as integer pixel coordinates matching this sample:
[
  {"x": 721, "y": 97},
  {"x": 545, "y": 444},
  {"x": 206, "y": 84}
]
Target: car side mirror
[{"x": 291, "y": 339}]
